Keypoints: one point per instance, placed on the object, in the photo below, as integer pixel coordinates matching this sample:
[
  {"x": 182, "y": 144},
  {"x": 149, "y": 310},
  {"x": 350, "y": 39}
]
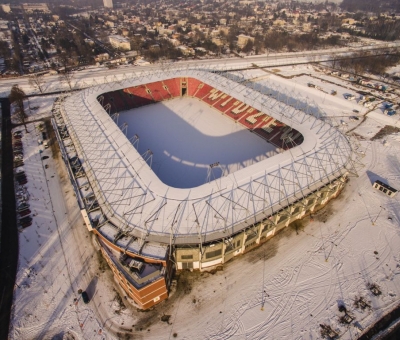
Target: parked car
[
  {"x": 18, "y": 164},
  {"x": 23, "y": 206},
  {"x": 85, "y": 297},
  {"x": 24, "y": 212},
  {"x": 26, "y": 219}
]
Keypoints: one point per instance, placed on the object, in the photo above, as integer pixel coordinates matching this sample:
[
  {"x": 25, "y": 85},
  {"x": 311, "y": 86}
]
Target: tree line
[{"x": 362, "y": 62}]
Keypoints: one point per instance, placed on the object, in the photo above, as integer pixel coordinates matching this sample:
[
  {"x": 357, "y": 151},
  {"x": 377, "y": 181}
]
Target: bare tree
[
  {"x": 37, "y": 81},
  {"x": 16, "y": 97},
  {"x": 136, "y": 43},
  {"x": 64, "y": 60},
  {"x": 68, "y": 77},
  {"x": 334, "y": 60}
]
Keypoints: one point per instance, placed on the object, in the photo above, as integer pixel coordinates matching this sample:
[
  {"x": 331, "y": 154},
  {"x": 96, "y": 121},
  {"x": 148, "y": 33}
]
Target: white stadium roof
[{"x": 135, "y": 200}]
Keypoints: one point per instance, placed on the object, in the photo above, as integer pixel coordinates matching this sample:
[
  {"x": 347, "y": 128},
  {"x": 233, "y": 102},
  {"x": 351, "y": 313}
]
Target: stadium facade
[{"x": 146, "y": 230}]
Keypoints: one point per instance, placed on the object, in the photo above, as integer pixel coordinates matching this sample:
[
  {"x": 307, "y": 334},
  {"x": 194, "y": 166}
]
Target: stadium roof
[{"x": 134, "y": 199}]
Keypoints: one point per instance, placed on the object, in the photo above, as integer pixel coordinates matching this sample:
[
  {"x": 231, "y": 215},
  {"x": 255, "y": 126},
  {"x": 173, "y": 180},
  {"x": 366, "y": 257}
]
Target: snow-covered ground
[
  {"x": 282, "y": 290},
  {"x": 36, "y": 108},
  {"x": 208, "y": 137}
]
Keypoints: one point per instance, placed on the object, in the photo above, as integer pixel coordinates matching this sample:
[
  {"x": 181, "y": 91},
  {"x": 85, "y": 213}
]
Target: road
[{"x": 267, "y": 60}]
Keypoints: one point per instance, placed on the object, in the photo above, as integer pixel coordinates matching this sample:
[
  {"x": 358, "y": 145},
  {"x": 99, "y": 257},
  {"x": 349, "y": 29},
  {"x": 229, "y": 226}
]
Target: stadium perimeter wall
[{"x": 209, "y": 256}]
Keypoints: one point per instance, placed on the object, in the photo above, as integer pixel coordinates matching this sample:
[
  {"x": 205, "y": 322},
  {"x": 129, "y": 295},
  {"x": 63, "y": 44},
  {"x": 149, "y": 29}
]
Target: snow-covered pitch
[{"x": 134, "y": 199}]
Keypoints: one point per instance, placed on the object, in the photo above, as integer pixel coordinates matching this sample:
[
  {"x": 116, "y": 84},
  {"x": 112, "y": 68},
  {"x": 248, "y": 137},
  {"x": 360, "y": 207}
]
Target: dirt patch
[
  {"x": 297, "y": 226},
  {"x": 324, "y": 213},
  {"x": 185, "y": 280},
  {"x": 103, "y": 266},
  {"x": 215, "y": 270},
  {"x": 162, "y": 312},
  {"x": 385, "y": 131},
  {"x": 121, "y": 304},
  {"x": 146, "y": 320},
  {"x": 270, "y": 248}
]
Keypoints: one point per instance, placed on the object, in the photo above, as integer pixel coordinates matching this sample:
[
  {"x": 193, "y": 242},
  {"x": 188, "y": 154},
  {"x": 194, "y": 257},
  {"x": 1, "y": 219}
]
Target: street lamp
[{"x": 373, "y": 222}]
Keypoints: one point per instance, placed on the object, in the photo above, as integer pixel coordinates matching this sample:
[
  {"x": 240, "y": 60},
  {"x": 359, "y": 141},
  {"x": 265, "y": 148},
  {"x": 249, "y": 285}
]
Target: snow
[
  {"x": 208, "y": 137},
  {"x": 38, "y": 107},
  {"x": 304, "y": 275}
]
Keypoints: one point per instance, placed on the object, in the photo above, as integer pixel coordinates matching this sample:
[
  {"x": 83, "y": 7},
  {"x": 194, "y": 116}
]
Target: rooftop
[{"x": 132, "y": 196}]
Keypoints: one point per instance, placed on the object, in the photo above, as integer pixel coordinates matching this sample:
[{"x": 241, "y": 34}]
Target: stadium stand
[
  {"x": 193, "y": 86},
  {"x": 203, "y": 90},
  {"x": 115, "y": 100},
  {"x": 141, "y": 95},
  {"x": 157, "y": 91},
  {"x": 273, "y": 131},
  {"x": 236, "y": 109},
  {"x": 173, "y": 87},
  {"x": 213, "y": 97}
]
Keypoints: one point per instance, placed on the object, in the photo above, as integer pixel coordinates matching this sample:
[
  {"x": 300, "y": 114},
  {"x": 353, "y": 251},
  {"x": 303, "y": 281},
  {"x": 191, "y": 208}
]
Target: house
[
  {"x": 120, "y": 42},
  {"x": 243, "y": 39},
  {"x": 102, "y": 57}
]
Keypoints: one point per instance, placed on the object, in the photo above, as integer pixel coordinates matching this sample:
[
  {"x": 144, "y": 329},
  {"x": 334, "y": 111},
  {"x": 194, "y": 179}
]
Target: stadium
[{"x": 187, "y": 168}]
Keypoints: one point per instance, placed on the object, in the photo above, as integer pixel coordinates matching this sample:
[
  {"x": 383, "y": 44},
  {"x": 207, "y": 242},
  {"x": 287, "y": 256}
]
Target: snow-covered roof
[{"x": 134, "y": 199}]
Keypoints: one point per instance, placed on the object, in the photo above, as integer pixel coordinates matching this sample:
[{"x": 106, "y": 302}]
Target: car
[
  {"x": 356, "y": 111},
  {"x": 23, "y": 206},
  {"x": 24, "y": 212},
  {"x": 85, "y": 297},
  {"x": 25, "y": 219},
  {"x": 25, "y": 222},
  {"x": 18, "y": 164}
]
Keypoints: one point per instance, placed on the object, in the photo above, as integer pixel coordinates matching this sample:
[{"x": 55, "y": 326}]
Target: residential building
[
  {"x": 243, "y": 39},
  {"x": 35, "y": 7},
  {"x": 120, "y": 42},
  {"x": 6, "y": 8},
  {"x": 108, "y": 3}
]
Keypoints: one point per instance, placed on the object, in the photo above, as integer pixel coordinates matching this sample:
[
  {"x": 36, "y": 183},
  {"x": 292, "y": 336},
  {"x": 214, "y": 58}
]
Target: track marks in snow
[{"x": 309, "y": 284}]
